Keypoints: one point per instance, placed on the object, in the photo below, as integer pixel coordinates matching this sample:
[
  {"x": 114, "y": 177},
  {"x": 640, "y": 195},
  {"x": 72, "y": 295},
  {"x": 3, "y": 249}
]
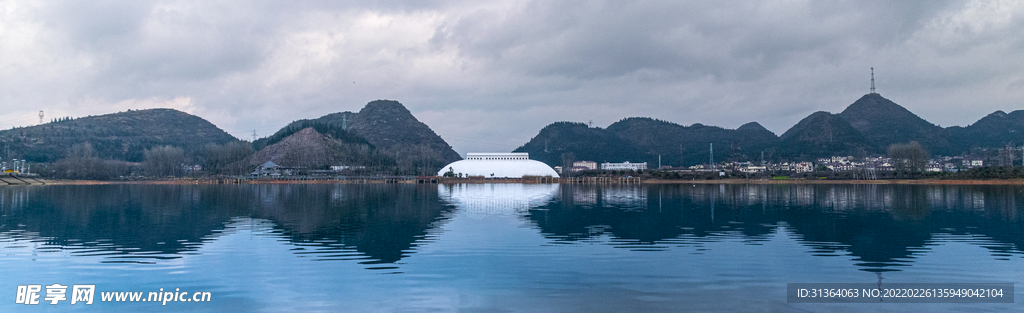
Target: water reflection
[
  {"x": 477, "y": 200},
  {"x": 882, "y": 227},
  {"x": 143, "y": 223}
]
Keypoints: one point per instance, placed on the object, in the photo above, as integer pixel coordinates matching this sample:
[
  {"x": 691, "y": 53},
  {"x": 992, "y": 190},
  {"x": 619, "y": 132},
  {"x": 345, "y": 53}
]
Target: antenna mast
[{"x": 873, "y": 80}]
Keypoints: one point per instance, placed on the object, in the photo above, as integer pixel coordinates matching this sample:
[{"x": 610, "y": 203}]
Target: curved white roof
[{"x": 512, "y": 166}]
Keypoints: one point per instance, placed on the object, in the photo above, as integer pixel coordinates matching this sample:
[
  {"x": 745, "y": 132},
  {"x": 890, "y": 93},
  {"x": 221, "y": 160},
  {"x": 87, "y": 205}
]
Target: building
[
  {"x": 803, "y": 167},
  {"x": 584, "y": 165},
  {"x": 272, "y": 169},
  {"x": 624, "y": 166},
  {"x": 497, "y": 165}
]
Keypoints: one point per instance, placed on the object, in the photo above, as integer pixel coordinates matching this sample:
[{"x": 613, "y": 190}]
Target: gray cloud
[{"x": 488, "y": 75}]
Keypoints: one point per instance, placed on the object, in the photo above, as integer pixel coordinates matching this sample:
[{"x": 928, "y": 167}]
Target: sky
[{"x": 488, "y": 75}]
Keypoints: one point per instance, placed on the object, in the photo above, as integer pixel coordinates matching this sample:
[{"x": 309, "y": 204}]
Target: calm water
[{"x": 506, "y": 247}]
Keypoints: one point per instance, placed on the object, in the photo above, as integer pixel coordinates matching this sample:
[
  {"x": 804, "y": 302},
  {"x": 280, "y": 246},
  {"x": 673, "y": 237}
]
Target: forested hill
[
  {"x": 118, "y": 136},
  {"x": 866, "y": 127},
  {"x": 392, "y": 134},
  {"x": 640, "y": 139},
  {"x": 883, "y": 122}
]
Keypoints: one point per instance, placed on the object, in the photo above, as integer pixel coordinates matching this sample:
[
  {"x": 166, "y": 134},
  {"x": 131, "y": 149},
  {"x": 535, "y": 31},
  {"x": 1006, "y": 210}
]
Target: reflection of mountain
[
  {"x": 384, "y": 222},
  {"x": 656, "y": 213},
  {"x": 133, "y": 223},
  {"x": 121, "y": 221},
  {"x": 881, "y": 226}
]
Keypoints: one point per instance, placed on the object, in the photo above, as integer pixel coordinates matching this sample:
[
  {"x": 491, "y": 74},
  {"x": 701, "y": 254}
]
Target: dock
[{"x": 20, "y": 179}]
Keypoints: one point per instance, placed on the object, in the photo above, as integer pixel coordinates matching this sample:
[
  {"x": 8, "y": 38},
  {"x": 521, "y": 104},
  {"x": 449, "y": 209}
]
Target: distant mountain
[
  {"x": 883, "y": 122},
  {"x": 992, "y": 131},
  {"x": 388, "y": 128},
  {"x": 677, "y": 144},
  {"x": 823, "y": 134},
  {"x": 641, "y": 139},
  {"x": 313, "y": 150},
  {"x": 582, "y": 142},
  {"x": 119, "y": 136},
  {"x": 867, "y": 127}
]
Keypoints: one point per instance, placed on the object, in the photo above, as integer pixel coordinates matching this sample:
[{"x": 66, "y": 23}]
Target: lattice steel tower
[{"x": 873, "y": 81}]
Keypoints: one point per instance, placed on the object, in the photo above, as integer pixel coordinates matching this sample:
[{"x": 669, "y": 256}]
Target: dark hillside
[
  {"x": 883, "y": 122},
  {"x": 682, "y": 146},
  {"x": 583, "y": 143},
  {"x": 992, "y": 131},
  {"x": 119, "y": 136},
  {"x": 822, "y": 134},
  {"x": 394, "y": 137}
]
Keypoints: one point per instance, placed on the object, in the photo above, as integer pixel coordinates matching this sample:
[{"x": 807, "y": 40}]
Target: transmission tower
[
  {"x": 873, "y": 81},
  {"x": 40, "y": 116},
  {"x": 712, "y": 157}
]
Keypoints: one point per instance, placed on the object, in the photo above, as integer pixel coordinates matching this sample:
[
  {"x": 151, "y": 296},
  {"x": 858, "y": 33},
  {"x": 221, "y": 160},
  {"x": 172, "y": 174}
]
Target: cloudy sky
[{"x": 487, "y": 76}]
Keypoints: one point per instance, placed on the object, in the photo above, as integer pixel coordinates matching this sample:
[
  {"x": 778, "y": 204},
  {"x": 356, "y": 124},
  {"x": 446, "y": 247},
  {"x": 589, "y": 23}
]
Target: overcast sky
[{"x": 487, "y": 76}]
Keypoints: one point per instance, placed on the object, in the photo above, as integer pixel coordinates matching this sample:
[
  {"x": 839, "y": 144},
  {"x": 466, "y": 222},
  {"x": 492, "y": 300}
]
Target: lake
[{"x": 502, "y": 247}]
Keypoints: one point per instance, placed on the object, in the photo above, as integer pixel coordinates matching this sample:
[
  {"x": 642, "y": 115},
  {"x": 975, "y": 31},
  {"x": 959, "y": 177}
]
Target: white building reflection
[
  {"x": 624, "y": 197},
  {"x": 497, "y": 199}
]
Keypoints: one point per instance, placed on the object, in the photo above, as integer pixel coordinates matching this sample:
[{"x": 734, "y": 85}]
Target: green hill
[
  {"x": 118, "y": 136},
  {"x": 642, "y": 139},
  {"x": 578, "y": 142},
  {"x": 392, "y": 134},
  {"x": 681, "y": 145},
  {"x": 883, "y": 122},
  {"x": 992, "y": 131},
  {"x": 822, "y": 134}
]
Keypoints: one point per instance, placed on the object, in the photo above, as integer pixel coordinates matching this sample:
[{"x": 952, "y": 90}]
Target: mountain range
[
  {"x": 866, "y": 127},
  {"x": 385, "y": 134}
]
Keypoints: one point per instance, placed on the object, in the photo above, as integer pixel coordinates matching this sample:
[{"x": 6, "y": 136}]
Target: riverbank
[
  {"x": 207, "y": 181},
  {"x": 929, "y": 181}
]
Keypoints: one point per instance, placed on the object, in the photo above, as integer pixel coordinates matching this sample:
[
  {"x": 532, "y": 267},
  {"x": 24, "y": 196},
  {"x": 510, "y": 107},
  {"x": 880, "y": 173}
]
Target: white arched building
[{"x": 498, "y": 165}]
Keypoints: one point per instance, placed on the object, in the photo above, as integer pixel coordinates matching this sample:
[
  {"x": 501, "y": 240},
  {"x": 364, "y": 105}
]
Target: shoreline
[
  {"x": 928, "y": 181},
  {"x": 525, "y": 181}
]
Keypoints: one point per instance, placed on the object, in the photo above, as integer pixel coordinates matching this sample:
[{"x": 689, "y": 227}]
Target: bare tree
[
  {"x": 568, "y": 158},
  {"x": 908, "y": 158},
  {"x": 82, "y": 163},
  {"x": 224, "y": 159},
  {"x": 164, "y": 161}
]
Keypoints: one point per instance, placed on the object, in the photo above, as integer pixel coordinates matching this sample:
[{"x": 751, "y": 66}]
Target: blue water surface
[{"x": 505, "y": 247}]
